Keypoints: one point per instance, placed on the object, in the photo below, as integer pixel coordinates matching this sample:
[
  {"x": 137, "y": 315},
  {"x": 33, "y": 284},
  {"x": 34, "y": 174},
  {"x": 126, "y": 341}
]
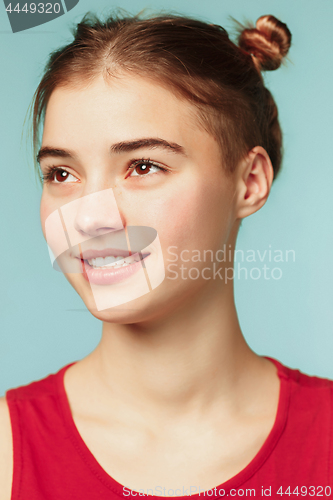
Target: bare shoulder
[{"x": 6, "y": 452}]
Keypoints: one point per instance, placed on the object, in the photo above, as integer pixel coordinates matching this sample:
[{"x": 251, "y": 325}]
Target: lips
[{"x": 112, "y": 272}]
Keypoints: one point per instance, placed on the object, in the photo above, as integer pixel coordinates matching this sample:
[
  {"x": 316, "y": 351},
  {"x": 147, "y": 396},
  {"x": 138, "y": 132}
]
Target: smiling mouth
[{"x": 115, "y": 262}]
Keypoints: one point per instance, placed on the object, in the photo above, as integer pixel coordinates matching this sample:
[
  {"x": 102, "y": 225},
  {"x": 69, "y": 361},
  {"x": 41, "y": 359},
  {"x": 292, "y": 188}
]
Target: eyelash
[{"x": 48, "y": 176}]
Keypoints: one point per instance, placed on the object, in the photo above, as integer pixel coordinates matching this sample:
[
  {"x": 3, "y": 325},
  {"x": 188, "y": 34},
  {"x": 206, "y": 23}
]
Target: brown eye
[
  {"x": 57, "y": 175},
  {"x": 143, "y": 168},
  {"x": 61, "y": 175}
]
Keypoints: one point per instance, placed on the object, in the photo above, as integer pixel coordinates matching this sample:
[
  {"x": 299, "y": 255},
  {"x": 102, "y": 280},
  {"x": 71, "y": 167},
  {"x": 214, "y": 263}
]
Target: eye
[
  {"x": 58, "y": 176},
  {"x": 141, "y": 168}
]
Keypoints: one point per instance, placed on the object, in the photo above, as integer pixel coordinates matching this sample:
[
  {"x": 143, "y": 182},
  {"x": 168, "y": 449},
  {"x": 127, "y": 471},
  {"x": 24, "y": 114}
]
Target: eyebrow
[
  {"x": 55, "y": 153},
  {"x": 119, "y": 147},
  {"x": 150, "y": 142}
]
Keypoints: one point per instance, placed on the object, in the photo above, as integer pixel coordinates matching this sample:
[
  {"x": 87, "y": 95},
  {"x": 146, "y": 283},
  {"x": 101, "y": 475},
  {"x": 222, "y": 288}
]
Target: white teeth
[
  {"x": 129, "y": 259},
  {"x": 113, "y": 261},
  {"x": 109, "y": 259}
]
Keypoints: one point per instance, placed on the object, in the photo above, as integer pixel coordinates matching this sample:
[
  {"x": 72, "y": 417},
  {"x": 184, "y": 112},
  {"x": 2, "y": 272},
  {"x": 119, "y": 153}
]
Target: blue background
[{"x": 44, "y": 324}]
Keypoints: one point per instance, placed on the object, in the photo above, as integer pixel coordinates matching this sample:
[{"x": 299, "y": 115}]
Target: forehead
[{"x": 124, "y": 107}]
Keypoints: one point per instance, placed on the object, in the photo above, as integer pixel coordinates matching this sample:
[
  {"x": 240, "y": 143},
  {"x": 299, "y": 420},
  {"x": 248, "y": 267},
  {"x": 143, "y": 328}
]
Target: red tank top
[{"x": 52, "y": 462}]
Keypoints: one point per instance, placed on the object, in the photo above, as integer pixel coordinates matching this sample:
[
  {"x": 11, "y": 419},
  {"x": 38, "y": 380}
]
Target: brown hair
[{"x": 195, "y": 60}]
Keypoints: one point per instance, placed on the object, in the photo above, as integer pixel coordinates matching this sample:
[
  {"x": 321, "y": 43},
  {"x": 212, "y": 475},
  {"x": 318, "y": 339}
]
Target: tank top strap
[{"x": 39, "y": 436}]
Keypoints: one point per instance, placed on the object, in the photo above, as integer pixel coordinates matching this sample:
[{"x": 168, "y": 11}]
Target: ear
[{"x": 255, "y": 177}]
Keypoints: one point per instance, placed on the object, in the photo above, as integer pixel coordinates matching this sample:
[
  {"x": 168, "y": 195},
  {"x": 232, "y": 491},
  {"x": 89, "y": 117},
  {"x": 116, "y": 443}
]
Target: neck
[{"x": 191, "y": 358}]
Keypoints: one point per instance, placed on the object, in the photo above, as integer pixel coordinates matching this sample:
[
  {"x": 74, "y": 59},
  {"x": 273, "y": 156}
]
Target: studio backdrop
[{"x": 283, "y": 267}]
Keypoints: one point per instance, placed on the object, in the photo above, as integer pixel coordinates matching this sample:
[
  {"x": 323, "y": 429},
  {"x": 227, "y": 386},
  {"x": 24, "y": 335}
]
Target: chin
[
  {"x": 162, "y": 301},
  {"x": 137, "y": 310}
]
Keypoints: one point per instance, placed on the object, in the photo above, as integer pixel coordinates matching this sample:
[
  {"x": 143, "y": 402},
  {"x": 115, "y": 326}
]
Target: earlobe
[{"x": 255, "y": 180}]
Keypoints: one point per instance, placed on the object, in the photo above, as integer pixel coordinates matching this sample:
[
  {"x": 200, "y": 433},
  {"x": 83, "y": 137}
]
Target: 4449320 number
[{"x": 32, "y": 8}]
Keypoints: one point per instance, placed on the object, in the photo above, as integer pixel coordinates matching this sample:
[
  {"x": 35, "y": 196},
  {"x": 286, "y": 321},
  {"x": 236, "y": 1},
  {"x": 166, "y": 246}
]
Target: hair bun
[{"x": 268, "y": 42}]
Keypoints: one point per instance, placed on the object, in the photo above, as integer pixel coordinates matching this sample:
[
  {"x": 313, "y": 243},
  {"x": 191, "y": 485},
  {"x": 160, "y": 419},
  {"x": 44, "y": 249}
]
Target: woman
[{"x": 159, "y": 136}]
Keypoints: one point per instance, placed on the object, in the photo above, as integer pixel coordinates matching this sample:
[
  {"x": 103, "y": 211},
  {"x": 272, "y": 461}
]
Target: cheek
[
  {"x": 47, "y": 207},
  {"x": 198, "y": 217},
  {"x": 44, "y": 213}
]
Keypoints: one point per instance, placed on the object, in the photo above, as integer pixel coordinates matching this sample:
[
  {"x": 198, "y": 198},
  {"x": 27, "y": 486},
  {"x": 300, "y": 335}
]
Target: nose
[{"x": 97, "y": 214}]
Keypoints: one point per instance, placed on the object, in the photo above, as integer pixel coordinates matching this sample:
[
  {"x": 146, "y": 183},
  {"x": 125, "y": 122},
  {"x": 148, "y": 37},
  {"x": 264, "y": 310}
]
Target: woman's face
[{"x": 131, "y": 154}]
